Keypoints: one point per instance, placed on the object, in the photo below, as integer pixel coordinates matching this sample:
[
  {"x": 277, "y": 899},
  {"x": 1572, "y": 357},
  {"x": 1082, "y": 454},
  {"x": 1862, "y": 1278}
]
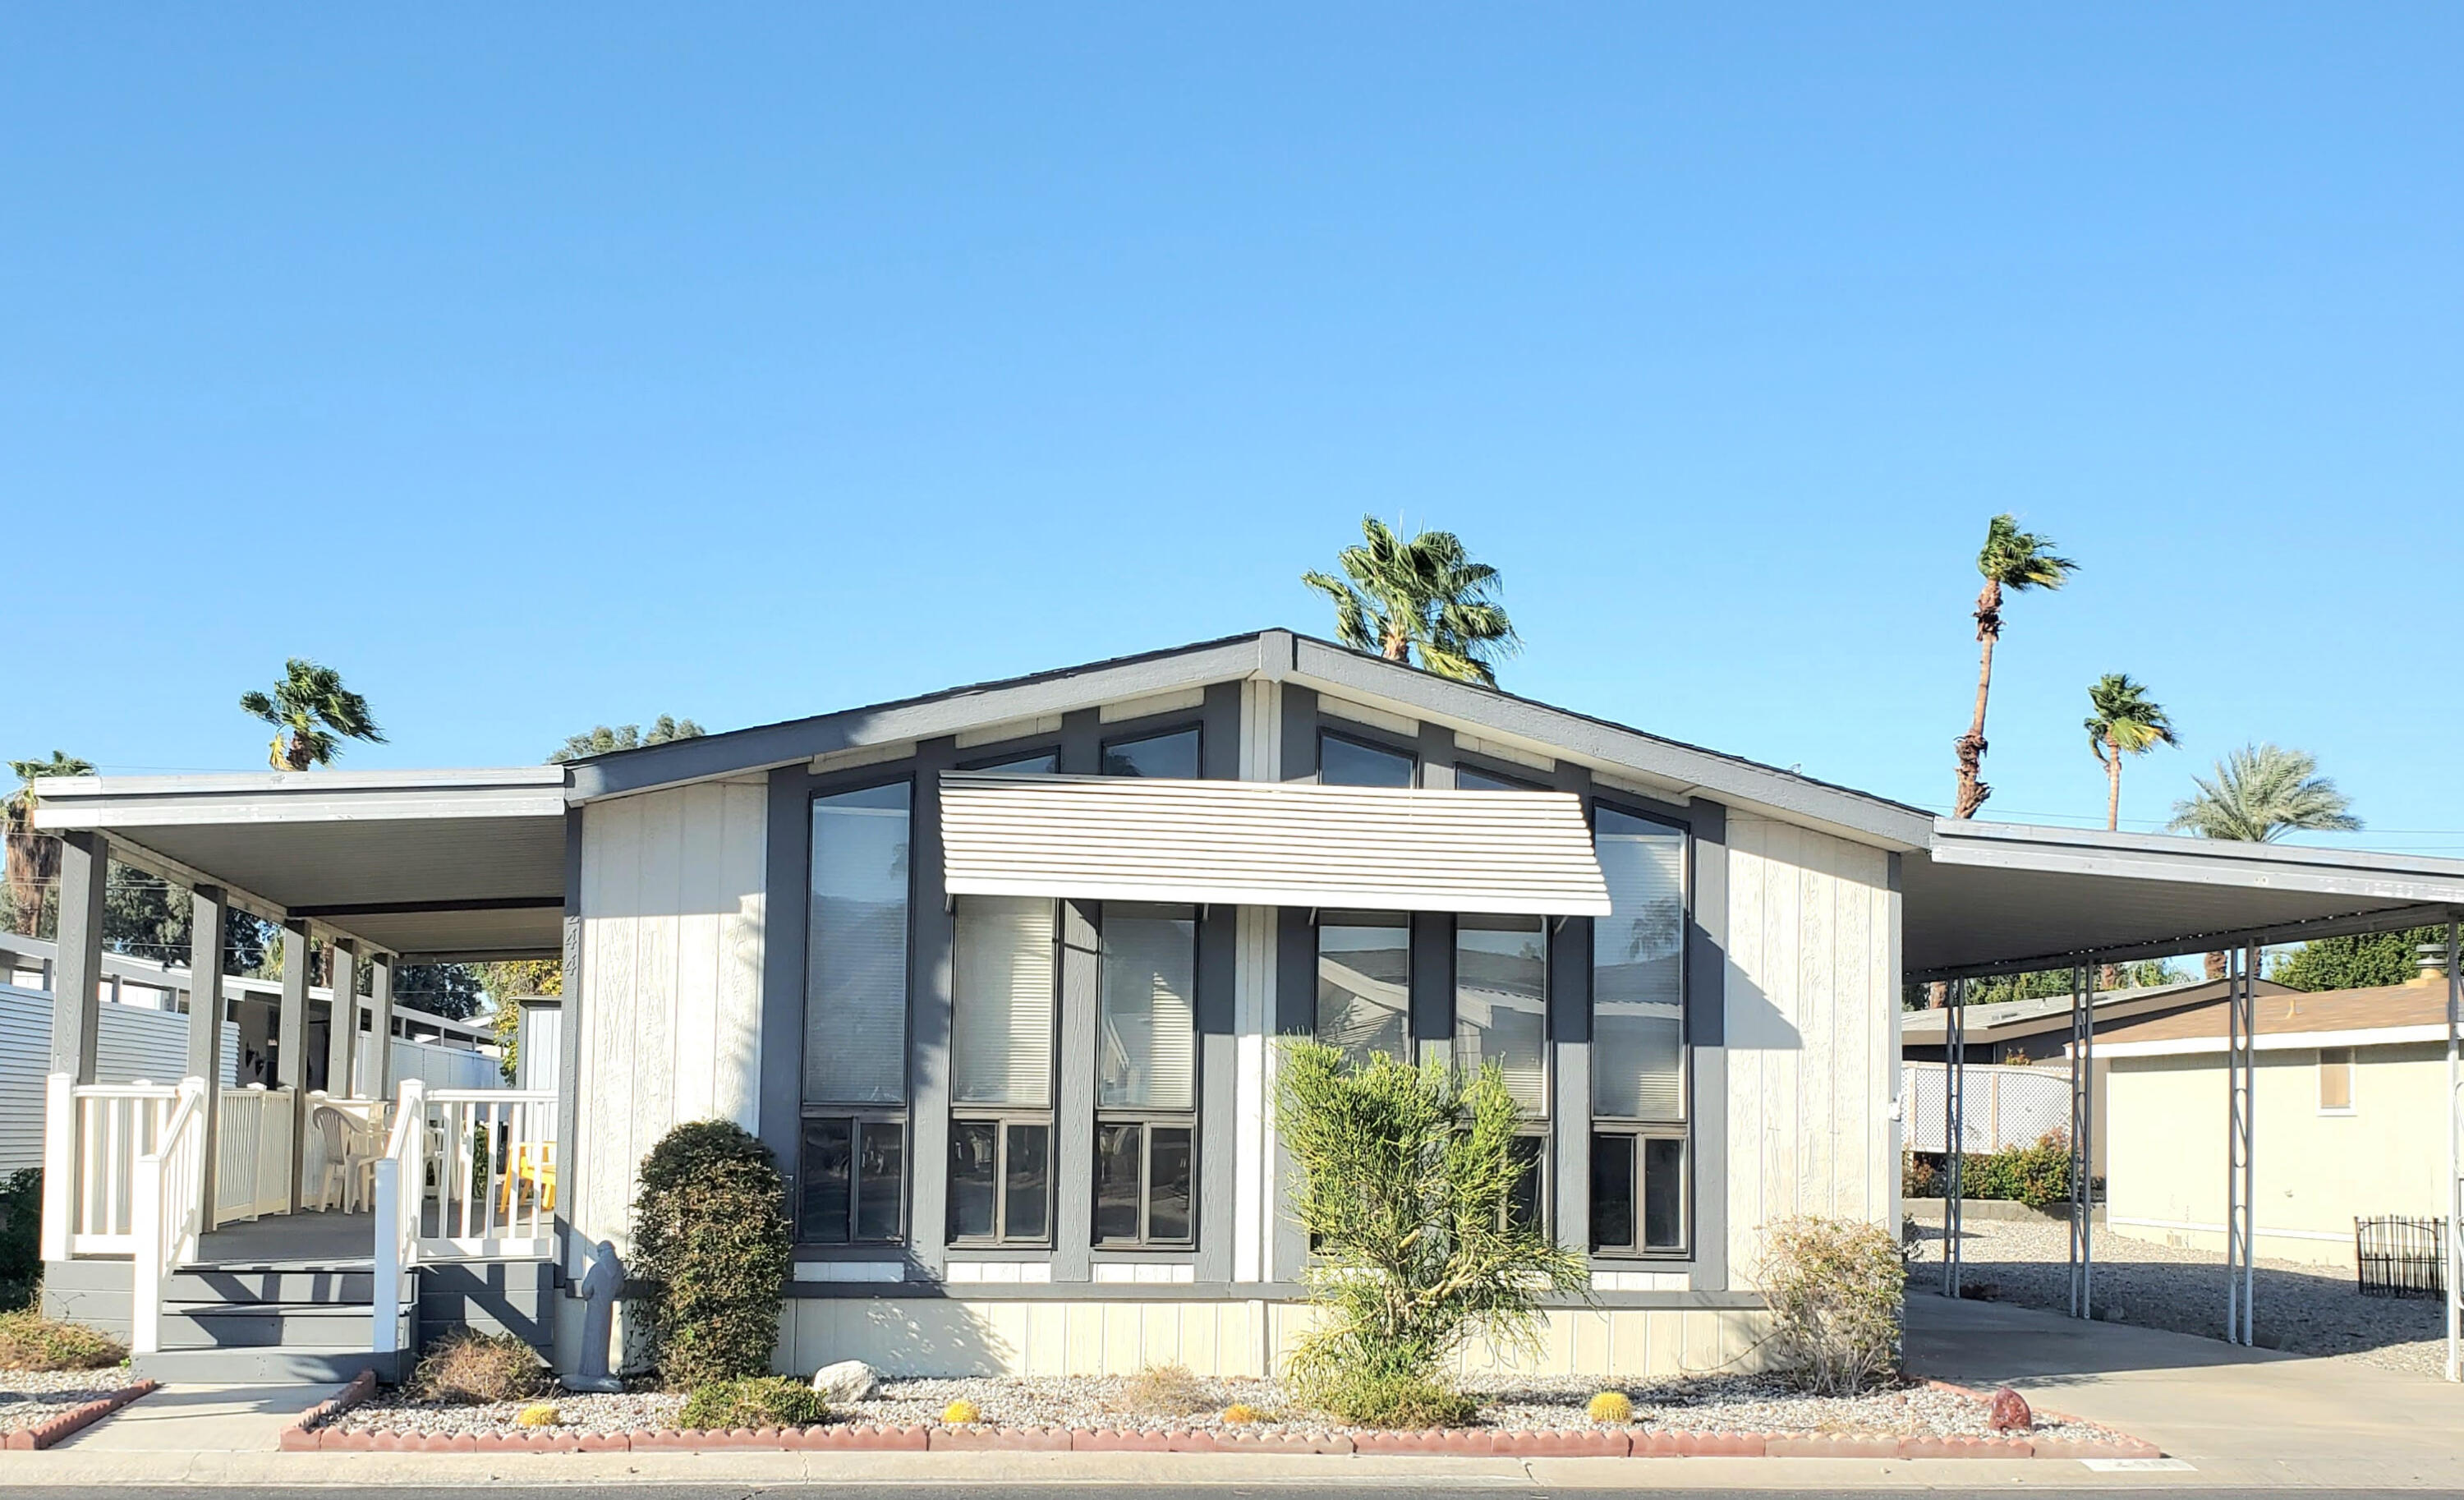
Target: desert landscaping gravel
[
  {"x": 1722, "y": 1403},
  {"x": 2299, "y": 1309},
  {"x": 29, "y": 1397}
]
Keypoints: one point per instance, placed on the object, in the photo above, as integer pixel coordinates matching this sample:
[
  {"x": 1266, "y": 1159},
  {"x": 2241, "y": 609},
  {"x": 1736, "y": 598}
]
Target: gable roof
[
  {"x": 1677, "y": 768},
  {"x": 2007, "y": 1018},
  {"x": 2394, "y": 1013}
]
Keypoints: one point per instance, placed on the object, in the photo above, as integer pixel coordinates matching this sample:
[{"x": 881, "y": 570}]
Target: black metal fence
[{"x": 2400, "y": 1257}]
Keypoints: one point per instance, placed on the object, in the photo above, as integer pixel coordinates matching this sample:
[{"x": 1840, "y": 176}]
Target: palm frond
[{"x": 2260, "y": 792}]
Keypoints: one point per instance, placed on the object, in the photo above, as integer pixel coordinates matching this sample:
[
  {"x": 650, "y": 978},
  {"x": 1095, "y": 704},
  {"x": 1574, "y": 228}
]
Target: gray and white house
[{"x": 1000, "y": 974}]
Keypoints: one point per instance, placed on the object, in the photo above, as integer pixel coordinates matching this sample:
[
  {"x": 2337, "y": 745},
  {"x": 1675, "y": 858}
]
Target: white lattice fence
[{"x": 2006, "y": 1107}]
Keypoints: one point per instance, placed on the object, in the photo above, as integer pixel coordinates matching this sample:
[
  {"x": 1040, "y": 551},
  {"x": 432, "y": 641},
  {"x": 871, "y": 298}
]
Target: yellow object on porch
[{"x": 534, "y": 1164}]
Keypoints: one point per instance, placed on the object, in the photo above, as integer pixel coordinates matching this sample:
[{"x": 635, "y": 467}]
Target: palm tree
[
  {"x": 2124, "y": 723},
  {"x": 2017, "y": 560},
  {"x": 310, "y": 712},
  {"x": 1422, "y": 602},
  {"x": 34, "y": 858},
  {"x": 2260, "y": 793}
]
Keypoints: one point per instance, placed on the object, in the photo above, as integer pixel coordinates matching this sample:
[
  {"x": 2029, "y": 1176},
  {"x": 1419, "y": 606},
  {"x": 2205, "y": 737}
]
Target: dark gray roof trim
[{"x": 1271, "y": 654}]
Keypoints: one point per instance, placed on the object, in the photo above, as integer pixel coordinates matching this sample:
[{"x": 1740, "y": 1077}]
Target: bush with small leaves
[
  {"x": 470, "y": 1369},
  {"x": 31, "y": 1341},
  {"x": 710, "y": 1247},
  {"x": 961, "y": 1412},
  {"x": 1835, "y": 1288},
  {"x": 767, "y": 1400},
  {"x": 1369, "y": 1399},
  {"x": 1612, "y": 1408}
]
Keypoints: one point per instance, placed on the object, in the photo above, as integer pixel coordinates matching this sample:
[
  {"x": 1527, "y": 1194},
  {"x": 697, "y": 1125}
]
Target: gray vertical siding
[
  {"x": 1569, "y": 1032},
  {"x": 1707, "y": 1009},
  {"x": 928, "y": 1018},
  {"x": 787, "y": 895},
  {"x": 1219, "y": 938},
  {"x": 1073, "y": 1156}
]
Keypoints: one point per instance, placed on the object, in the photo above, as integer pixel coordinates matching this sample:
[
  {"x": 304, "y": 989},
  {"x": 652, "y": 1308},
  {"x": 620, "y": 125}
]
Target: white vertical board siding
[
  {"x": 131, "y": 1042},
  {"x": 1812, "y": 990},
  {"x": 669, "y": 1008}
]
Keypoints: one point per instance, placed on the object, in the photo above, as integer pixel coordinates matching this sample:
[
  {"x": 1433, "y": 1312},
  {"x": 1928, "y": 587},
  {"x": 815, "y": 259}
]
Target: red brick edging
[
  {"x": 75, "y": 1420},
  {"x": 849, "y": 1438}
]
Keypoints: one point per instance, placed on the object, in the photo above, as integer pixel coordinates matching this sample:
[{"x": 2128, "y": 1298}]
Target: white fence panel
[{"x": 2004, "y": 1107}]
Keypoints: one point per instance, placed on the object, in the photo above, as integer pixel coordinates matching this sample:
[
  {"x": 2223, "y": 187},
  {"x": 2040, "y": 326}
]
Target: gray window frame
[
  {"x": 1162, "y": 727},
  {"x": 1367, "y": 739},
  {"x": 870, "y": 1112},
  {"x": 1638, "y": 1131},
  {"x": 1191, "y": 1118},
  {"x": 1002, "y": 1117},
  {"x": 857, "y": 1119}
]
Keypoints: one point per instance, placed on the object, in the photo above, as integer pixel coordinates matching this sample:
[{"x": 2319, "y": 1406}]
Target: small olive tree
[
  {"x": 1836, "y": 1288},
  {"x": 711, "y": 1251},
  {"x": 1404, "y": 1177}
]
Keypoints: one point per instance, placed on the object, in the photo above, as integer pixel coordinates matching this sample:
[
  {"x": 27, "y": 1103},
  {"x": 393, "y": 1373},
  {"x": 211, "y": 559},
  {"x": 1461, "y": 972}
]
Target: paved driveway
[{"x": 2243, "y": 1416}]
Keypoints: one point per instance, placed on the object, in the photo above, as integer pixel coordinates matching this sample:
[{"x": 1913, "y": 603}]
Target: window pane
[
  {"x": 1044, "y": 764},
  {"x": 1637, "y": 972},
  {"x": 1117, "y": 1180},
  {"x": 1501, "y": 1000},
  {"x": 1364, "y": 976},
  {"x": 1146, "y": 1049},
  {"x": 2335, "y": 1078},
  {"x": 855, "y": 975},
  {"x": 1612, "y": 1192},
  {"x": 1000, "y": 1041},
  {"x": 973, "y": 1146},
  {"x": 881, "y": 1183},
  {"x": 1168, "y": 1185},
  {"x": 1525, "y": 1206},
  {"x": 1467, "y": 780},
  {"x": 1348, "y": 762},
  {"x": 1663, "y": 1194},
  {"x": 822, "y": 1182},
  {"x": 1173, "y": 755},
  {"x": 1026, "y": 1213}
]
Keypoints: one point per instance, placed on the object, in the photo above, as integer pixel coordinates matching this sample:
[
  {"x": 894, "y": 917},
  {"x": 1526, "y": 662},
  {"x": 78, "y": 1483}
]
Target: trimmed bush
[
  {"x": 471, "y": 1369},
  {"x": 1835, "y": 1288},
  {"x": 710, "y": 1247},
  {"x": 21, "y": 1236},
  {"x": 31, "y": 1341},
  {"x": 768, "y": 1400},
  {"x": 2038, "y": 1175},
  {"x": 1406, "y": 1180}
]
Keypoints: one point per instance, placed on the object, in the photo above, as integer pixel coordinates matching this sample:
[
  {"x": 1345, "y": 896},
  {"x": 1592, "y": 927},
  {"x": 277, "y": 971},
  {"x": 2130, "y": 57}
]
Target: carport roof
[{"x": 461, "y": 864}]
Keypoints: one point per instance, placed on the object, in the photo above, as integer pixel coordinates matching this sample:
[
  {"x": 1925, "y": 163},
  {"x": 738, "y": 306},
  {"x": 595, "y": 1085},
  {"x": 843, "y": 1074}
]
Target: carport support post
[
  {"x": 209, "y": 910},
  {"x": 2082, "y": 1139},
  {"x": 291, "y": 1043},
  {"x": 2454, "y": 1155},
  {"x": 76, "y": 981},
  {"x": 1954, "y": 1128},
  {"x": 343, "y": 1023},
  {"x": 2241, "y": 1066}
]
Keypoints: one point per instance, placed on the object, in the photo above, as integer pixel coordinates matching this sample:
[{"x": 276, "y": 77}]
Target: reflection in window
[
  {"x": 1364, "y": 985},
  {"x": 1637, "y": 972},
  {"x": 851, "y": 1178},
  {"x": 1502, "y": 1002},
  {"x": 1173, "y": 755},
  {"x": 1146, "y": 1043},
  {"x": 1145, "y": 1183},
  {"x": 1044, "y": 764},
  {"x": 1467, "y": 780},
  {"x": 855, "y": 979},
  {"x": 1348, "y": 762},
  {"x": 1638, "y": 1193}
]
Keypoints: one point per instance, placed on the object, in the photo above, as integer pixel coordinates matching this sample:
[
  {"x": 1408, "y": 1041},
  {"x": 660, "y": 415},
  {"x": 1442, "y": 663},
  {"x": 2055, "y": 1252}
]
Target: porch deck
[{"x": 310, "y": 1241}]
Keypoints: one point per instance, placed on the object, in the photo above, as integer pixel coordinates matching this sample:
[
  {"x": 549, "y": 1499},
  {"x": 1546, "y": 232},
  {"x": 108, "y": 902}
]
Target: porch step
[
  {"x": 229, "y": 1283},
  {"x": 267, "y": 1366},
  {"x": 266, "y": 1325}
]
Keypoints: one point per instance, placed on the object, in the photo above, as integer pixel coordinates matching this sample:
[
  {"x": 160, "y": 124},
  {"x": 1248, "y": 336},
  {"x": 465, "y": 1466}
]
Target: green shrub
[
  {"x": 710, "y": 1247},
  {"x": 1835, "y": 1288},
  {"x": 31, "y": 1341},
  {"x": 2038, "y": 1175},
  {"x": 769, "y": 1400},
  {"x": 470, "y": 1369},
  {"x": 1404, "y": 1179},
  {"x": 21, "y": 1236},
  {"x": 1375, "y": 1399}
]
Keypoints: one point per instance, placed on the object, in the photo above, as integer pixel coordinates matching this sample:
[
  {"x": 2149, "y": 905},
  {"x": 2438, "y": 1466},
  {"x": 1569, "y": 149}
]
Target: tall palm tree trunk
[
  {"x": 1973, "y": 790},
  {"x": 2113, "y": 785}
]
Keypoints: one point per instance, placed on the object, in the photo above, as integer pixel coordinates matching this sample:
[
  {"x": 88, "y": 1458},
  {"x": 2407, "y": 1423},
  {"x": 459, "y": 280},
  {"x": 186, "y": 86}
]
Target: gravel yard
[
  {"x": 28, "y": 1397},
  {"x": 1725, "y": 1403},
  {"x": 2301, "y": 1309}
]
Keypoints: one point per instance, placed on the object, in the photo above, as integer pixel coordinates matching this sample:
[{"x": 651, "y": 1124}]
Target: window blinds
[
  {"x": 1148, "y": 1053},
  {"x": 1000, "y": 1038},
  {"x": 1637, "y": 973}
]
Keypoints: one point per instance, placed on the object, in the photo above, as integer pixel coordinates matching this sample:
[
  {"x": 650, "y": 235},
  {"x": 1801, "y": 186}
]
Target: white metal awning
[{"x": 1108, "y": 838}]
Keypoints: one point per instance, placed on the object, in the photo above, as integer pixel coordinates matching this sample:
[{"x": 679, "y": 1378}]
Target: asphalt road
[{"x": 1085, "y": 1492}]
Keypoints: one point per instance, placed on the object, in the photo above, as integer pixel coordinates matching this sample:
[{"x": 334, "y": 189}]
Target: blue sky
[{"x": 557, "y": 365}]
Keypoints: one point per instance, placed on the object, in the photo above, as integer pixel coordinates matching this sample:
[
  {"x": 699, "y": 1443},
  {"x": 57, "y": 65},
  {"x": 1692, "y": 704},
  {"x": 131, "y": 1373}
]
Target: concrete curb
[
  {"x": 76, "y": 1419},
  {"x": 304, "y": 1436}
]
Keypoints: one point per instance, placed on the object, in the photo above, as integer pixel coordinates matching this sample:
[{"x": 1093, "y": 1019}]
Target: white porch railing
[
  {"x": 167, "y": 1200},
  {"x": 93, "y": 1135},
  {"x": 399, "y": 1174},
  {"x": 251, "y": 1153},
  {"x": 496, "y": 1173}
]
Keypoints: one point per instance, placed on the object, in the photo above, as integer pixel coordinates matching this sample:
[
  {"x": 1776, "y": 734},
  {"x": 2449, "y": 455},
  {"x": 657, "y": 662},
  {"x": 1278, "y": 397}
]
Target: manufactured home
[{"x": 1000, "y": 974}]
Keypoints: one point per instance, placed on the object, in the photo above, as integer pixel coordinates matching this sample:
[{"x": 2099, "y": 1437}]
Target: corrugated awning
[{"x": 1110, "y": 838}]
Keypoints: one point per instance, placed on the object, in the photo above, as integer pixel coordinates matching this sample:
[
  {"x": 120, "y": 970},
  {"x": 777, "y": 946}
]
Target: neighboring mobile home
[
  {"x": 2349, "y": 1097},
  {"x": 999, "y": 975}
]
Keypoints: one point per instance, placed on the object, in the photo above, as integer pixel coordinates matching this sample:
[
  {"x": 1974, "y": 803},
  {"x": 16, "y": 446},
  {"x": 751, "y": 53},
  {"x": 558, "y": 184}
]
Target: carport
[{"x": 1988, "y": 900}]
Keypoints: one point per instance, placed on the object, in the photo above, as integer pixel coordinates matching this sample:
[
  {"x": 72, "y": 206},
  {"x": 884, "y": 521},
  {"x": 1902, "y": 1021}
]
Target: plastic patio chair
[
  {"x": 535, "y": 1163},
  {"x": 350, "y": 1164}
]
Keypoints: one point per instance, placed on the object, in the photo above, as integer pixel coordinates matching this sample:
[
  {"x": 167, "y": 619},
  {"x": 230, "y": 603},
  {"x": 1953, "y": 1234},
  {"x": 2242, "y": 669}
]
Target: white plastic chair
[{"x": 350, "y": 1165}]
